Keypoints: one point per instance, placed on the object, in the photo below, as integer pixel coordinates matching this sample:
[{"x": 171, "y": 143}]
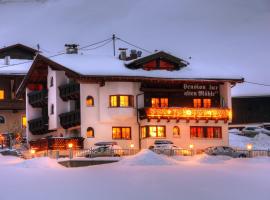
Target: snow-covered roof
[
  {"x": 97, "y": 65},
  {"x": 16, "y": 67}
]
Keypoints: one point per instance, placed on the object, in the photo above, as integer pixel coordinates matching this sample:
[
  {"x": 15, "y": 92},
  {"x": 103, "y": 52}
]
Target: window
[
  {"x": 159, "y": 102},
  {"x": 51, "y": 82},
  {"x": 89, "y": 101},
  {"x": 205, "y": 132},
  {"x": 2, "y": 119},
  {"x": 119, "y": 133},
  {"x": 153, "y": 131},
  {"x": 176, "y": 131},
  {"x": 24, "y": 121},
  {"x": 52, "y": 109},
  {"x": 90, "y": 132},
  {"x": 206, "y": 103},
  {"x": 197, "y": 103},
  {"x": 121, "y": 101},
  {"x": 2, "y": 94}
]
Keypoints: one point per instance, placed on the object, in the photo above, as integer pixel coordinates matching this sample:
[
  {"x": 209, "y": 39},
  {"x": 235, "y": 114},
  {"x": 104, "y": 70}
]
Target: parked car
[
  {"x": 11, "y": 152},
  {"x": 224, "y": 151},
  {"x": 254, "y": 130},
  {"x": 105, "y": 149},
  {"x": 162, "y": 145}
]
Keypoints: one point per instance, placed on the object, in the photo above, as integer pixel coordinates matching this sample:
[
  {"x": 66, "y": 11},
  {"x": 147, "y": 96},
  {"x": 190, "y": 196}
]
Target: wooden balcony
[
  {"x": 38, "y": 98},
  {"x": 70, "y": 91},
  {"x": 38, "y": 126},
  {"x": 186, "y": 113},
  {"x": 70, "y": 119}
]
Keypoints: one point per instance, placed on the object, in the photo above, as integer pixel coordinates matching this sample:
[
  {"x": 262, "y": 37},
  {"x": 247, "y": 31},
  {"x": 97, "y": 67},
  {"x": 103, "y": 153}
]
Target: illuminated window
[
  {"x": 159, "y": 102},
  {"x": 90, "y": 132},
  {"x": 121, "y": 101},
  {"x": 143, "y": 132},
  {"x": 119, "y": 133},
  {"x": 155, "y": 131},
  {"x": 2, "y": 119},
  {"x": 163, "y": 102},
  {"x": 176, "y": 131},
  {"x": 124, "y": 101},
  {"x": 113, "y": 101},
  {"x": 24, "y": 121},
  {"x": 207, "y": 103},
  {"x": 197, "y": 103},
  {"x": 205, "y": 132},
  {"x": 89, "y": 101},
  {"x": 51, "y": 81},
  {"x": 155, "y": 102},
  {"x": 2, "y": 94}
]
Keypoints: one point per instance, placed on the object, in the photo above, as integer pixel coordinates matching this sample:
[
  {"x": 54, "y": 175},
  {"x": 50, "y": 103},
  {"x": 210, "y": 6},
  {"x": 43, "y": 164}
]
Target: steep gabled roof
[
  {"x": 140, "y": 63},
  {"x": 18, "y": 45}
]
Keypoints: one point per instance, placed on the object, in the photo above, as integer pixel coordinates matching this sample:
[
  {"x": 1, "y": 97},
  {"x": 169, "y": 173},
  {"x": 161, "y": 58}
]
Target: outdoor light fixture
[
  {"x": 70, "y": 145},
  {"x": 191, "y": 146},
  {"x": 131, "y": 145},
  {"x": 249, "y": 147},
  {"x": 32, "y": 151}
]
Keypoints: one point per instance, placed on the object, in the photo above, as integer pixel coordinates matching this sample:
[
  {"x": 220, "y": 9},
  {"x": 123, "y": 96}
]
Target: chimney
[
  {"x": 7, "y": 60},
  {"x": 123, "y": 54},
  {"x": 133, "y": 54},
  {"x": 139, "y": 54},
  {"x": 71, "y": 48}
]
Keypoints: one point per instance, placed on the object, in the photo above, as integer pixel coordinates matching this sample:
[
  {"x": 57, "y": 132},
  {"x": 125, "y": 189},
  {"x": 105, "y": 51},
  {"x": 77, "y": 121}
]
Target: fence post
[
  {"x": 268, "y": 152},
  {"x": 57, "y": 154},
  {"x": 250, "y": 153},
  {"x": 70, "y": 153}
]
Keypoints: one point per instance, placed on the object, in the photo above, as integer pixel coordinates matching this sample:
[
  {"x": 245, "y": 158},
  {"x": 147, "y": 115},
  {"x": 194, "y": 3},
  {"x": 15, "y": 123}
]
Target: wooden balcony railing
[
  {"x": 186, "y": 113},
  {"x": 38, "y": 126},
  {"x": 70, "y": 119},
  {"x": 70, "y": 91},
  {"x": 38, "y": 98}
]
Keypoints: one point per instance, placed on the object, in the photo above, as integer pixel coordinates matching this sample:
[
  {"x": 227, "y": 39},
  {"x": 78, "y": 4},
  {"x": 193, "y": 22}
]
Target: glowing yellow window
[
  {"x": 197, "y": 103},
  {"x": 116, "y": 133},
  {"x": 126, "y": 133},
  {"x": 124, "y": 101},
  {"x": 2, "y": 94},
  {"x": 90, "y": 132},
  {"x": 113, "y": 101},
  {"x": 163, "y": 102},
  {"x": 24, "y": 122},
  {"x": 143, "y": 132},
  {"x": 155, "y": 102},
  {"x": 153, "y": 131},
  {"x": 207, "y": 103},
  {"x": 160, "y": 131},
  {"x": 89, "y": 101}
]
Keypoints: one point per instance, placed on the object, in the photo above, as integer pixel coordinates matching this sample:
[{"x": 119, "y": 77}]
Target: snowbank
[
  {"x": 260, "y": 141},
  {"x": 9, "y": 160},
  {"x": 147, "y": 157},
  {"x": 43, "y": 162}
]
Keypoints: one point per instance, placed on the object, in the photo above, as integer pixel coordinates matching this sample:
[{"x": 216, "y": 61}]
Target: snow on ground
[
  {"x": 42, "y": 162},
  {"x": 199, "y": 177},
  {"x": 260, "y": 141},
  {"x": 146, "y": 158}
]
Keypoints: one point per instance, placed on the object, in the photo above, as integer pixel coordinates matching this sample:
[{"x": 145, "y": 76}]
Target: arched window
[
  {"x": 51, "y": 81},
  {"x": 2, "y": 119},
  {"x": 90, "y": 132},
  {"x": 176, "y": 131},
  {"x": 89, "y": 101},
  {"x": 52, "y": 109}
]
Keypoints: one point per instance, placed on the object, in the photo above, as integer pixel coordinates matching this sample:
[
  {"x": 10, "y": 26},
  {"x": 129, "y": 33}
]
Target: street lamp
[
  {"x": 191, "y": 147},
  {"x": 32, "y": 152},
  {"x": 70, "y": 145},
  {"x": 249, "y": 148}
]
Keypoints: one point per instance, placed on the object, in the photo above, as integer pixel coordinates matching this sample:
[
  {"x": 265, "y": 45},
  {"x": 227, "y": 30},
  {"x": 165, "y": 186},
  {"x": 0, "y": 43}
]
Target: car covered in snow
[
  {"x": 105, "y": 149},
  {"x": 160, "y": 146},
  {"x": 11, "y": 152},
  {"x": 254, "y": 130},
  {"x": 224, "y": 151}
]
